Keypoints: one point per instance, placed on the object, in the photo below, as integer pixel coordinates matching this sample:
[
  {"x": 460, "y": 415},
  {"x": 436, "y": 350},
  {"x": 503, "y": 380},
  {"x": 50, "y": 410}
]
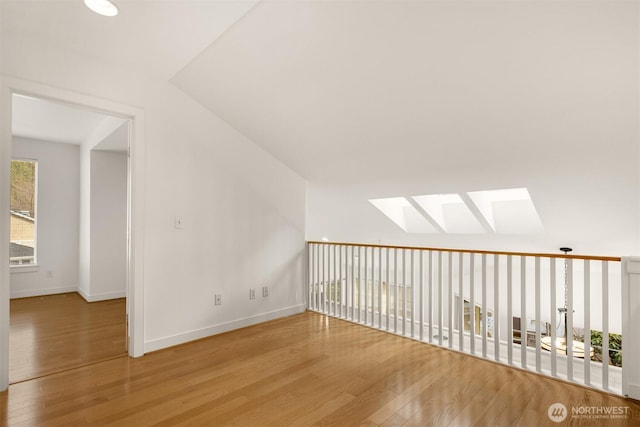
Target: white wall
[
  {"x": 104, "y": 132},
  {"x": 57, "y": 219},
  {"x": 244, "y": 211},
  {"x": 108, "y": 228}
]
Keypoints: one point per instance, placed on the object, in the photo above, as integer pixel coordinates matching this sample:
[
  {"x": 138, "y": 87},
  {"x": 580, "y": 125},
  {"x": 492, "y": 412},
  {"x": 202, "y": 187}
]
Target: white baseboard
[
  {"x": 41, "y": 292},
  {"x": 101, "y": 297},
  {"x": 171, "y": 341}
]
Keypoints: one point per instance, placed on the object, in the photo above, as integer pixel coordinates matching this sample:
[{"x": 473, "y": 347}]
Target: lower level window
[{"x": 23, "y": 212}]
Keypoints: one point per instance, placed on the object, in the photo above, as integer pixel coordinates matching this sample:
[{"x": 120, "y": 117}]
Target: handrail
[{"x": 475, "y": 251}]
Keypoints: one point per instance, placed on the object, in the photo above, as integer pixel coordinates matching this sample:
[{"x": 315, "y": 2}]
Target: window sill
[{"x": 18, "y": 269}]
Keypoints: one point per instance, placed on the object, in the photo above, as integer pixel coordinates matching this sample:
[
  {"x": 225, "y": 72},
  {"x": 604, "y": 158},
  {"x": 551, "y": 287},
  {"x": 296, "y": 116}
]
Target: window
[
  {"x": 23, "y": 212},
  {"x": 478, "y": 317}
]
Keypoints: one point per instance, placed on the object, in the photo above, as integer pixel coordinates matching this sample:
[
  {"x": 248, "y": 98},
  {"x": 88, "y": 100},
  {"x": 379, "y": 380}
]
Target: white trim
[
  {"x": 135, "y": 291},
  {"x": 135, "y": 226},
  {"x": 196, "y": 334},
  {"x": 5, "y": 161},
  {"x": 41, "y": 292},
  {"x": 630, "y": 332},
  {"x": 24, "y": 268},
  {"x": 101, "y": 297}
]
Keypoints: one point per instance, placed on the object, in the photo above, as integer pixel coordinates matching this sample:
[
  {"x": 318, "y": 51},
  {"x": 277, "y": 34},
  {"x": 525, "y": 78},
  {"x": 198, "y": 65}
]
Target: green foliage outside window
[
  {"x": 23, "y": 194},
  {"x": 615, "y": 347}
]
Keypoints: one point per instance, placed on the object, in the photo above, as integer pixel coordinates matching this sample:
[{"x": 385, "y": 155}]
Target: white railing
[{"x": 504, "y": 306}]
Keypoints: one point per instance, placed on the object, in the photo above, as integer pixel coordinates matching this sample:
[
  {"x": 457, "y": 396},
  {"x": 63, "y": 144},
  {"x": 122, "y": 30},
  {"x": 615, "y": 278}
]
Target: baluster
[
  {"x": 472, "y": 305},
  {"x": 496, "y": 307},
  {"x": 605, "y": 325},
  {"x": 312, "y": 289},
  {"x": 359, "y": 284},
  {"x": 380, "y": 288},
  {"x": 395, "y": 287},
  {"x": 523, "y": 312},
  {"x": 430, "y": 296},
  {"x": 554, "y": 322},
  {"x": 461, "y": 302},
  {"x": 450, "y": 299},
  {"x": 340, "y": 280},
  {"x": 537, "y": 308},
  {"x": 352, "y": 283},
  {"x": 366, "y": 285},
  {"x": 570, "y": 320},
  {"x": 388, "y": 291},
  {"x": 587, "y": 322},
  {"x": 404, "y": 292},
  {"x": 483, "y": 314},
  {"x": 413, "y": 293},
  {"x": 440, "y": 314},
  {"x": 421, "y": 255},
  {"x": 510, "y": 309}
]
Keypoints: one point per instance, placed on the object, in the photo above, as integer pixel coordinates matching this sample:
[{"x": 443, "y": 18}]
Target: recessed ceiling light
[{"x": 102, "y": 7}]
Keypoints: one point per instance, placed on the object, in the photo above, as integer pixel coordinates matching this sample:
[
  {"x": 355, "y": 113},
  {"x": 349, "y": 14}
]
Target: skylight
[
  {"x": 450, "y": 212},
  {"x": 404, "y": 215},
  {"x": 506, "y": 211}
]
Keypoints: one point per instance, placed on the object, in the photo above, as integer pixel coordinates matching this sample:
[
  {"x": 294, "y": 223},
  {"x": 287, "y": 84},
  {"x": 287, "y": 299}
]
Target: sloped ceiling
[
  {"x": 153, "y": 37},
  {"x": 372, "y": 90},
  {"x": 376, "y": 99},
  {"x": 384, "y": 99}
]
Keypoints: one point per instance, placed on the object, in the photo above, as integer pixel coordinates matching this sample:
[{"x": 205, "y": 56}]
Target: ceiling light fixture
[{"x": 102, "y": 7}]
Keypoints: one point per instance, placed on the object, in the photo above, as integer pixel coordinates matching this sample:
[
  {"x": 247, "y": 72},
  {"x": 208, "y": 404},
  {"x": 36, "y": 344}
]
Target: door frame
[{"x": 135, "y": 214}]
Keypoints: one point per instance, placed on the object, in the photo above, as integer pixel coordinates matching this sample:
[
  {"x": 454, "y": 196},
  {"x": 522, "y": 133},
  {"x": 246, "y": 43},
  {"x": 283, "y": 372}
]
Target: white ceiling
[
  {"x": 402, "y": 98},
  {"x": 348, "y": 92},
  {"x": 155, "y": 38},
  {"x": 118, "y": 140},
  {"x": 376, "y": 99},
  {"x": 53, "y": 121},
  {"x": 152, "y": 37}
]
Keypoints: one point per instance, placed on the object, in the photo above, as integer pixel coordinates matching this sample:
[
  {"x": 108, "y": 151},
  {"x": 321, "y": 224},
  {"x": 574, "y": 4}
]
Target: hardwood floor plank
[
  {"x": 53, "y": 333},
  {"x": 299, "y": 371}
]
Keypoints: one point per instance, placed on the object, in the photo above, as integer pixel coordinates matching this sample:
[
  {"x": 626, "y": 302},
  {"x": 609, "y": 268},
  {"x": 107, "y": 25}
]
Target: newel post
[{"x": 631, "y": 327}]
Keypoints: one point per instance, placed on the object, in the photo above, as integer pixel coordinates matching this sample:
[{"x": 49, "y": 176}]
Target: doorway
[
  {"x": 134, "y": 211},
  {"x": 68, "y": 206}
]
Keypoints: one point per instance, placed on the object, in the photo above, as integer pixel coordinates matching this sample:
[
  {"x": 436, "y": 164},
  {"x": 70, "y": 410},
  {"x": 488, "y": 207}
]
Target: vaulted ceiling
[
  {"x": 378, "y": 99},
  {"x": 156, "y": 38}
]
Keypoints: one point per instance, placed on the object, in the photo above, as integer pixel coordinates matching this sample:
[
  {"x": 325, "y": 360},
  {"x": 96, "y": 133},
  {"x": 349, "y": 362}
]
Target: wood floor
[
  {"x": 54, "y": 333},
  {"x": 303, "y": 370}
]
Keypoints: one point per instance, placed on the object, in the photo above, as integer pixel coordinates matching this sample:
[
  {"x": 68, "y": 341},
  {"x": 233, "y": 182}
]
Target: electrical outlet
[
  {"x": 252, "y": 294},
  {"x": 265, "y": 291},
  {"x": 179, "y": 222},
  {"x": 50, "y": 274},
  {"x": 218, "y": 299}
]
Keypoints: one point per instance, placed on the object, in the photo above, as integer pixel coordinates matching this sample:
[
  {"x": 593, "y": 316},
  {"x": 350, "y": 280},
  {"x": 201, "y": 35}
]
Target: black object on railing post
[{"x": 564, "y": 309}]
